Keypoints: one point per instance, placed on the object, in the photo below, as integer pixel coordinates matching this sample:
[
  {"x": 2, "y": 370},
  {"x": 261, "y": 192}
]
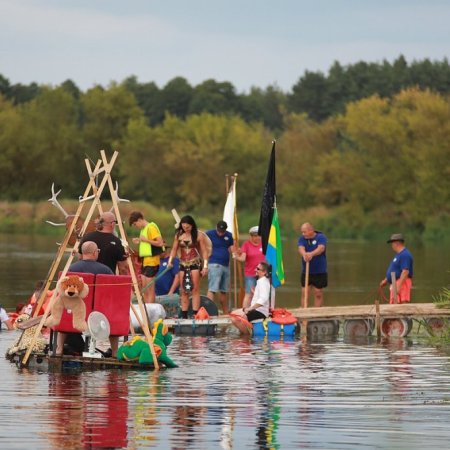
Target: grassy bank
[{"x": 26, "y": 217}]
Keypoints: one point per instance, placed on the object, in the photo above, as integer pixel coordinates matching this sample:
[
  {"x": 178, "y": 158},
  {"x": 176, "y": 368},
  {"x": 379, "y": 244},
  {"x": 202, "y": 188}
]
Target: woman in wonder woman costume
[{"x": 191, "y": 246}]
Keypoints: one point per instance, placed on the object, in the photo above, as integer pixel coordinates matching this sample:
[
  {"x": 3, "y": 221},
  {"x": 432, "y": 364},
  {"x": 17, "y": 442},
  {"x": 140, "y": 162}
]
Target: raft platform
[
  {"x": 76, "y": 363},
  {"x": 194, "y": 327},
  {"x": 394, "y": 320},
  {"x": 412, "y": 310}
]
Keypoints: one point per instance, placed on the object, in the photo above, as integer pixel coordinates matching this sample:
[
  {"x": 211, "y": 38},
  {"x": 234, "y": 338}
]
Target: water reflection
[
  {"x": 188, "y": 417},
  {"x": 269, "y": 415},
  {"x": 87, "y": 411},
  {"x": 353, "y": 278},
  {"x": 233, "y": 392}
]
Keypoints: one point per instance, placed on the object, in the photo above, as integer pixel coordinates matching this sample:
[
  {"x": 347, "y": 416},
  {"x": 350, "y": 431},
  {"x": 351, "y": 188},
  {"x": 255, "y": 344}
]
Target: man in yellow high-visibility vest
[{"x": 151, "y": 245}]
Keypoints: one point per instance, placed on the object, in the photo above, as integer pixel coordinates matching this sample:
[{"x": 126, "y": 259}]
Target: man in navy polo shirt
[
  {"x": 218, "y": 265},
  {"x": 312, "y": 247}
]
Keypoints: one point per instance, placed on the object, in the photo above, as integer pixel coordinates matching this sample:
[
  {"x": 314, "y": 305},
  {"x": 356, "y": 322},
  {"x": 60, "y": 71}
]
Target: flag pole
[
  {"x": 227, "y": 185},
  {"x": 269, "y": 227},
  {"x": 236, "y": 239},
  {"x": 238, "y": 270}
]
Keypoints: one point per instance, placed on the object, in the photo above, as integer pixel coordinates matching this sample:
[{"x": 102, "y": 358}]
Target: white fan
[{"x": 99, "y": 330}]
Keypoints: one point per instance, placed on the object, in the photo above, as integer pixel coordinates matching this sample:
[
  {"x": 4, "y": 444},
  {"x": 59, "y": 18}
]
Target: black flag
[{"x": 268, "y": 202}]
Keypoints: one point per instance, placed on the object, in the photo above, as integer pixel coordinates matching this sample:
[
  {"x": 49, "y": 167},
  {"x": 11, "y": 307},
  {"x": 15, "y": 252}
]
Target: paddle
[
  {"x": 304, "y": 323},
  {"x": 305, "y": 300}
]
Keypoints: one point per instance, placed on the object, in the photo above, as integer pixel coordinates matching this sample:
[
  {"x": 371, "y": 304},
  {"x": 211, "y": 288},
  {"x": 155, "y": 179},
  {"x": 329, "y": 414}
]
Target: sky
[{"x": 246, "y": 42}]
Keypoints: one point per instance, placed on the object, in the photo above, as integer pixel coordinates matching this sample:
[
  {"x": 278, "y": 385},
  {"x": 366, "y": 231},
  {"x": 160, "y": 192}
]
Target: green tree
[
  {"x": 107, "y": 113},
  {"x": 183, "y": 163},
  {"x": 266, "y": 106},
  {"x": 389, "y": 163},
  {"x": 11, "y": 152},
  {"x": 41, "y": 143},
  {"x": 147, "y": 96},
  {"x": 310, "y": 96},
  {"x": 214, "y": 97},
  {"x": 301, "y": 148}
]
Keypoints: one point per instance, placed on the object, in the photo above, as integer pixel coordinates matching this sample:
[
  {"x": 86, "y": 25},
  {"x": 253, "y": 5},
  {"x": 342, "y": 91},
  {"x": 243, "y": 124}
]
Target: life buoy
[{"x": 283, "y": 317}]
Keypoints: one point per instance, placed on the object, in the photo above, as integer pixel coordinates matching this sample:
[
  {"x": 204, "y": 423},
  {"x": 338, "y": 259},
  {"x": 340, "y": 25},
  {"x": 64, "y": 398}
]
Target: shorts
[
  {"x": 255, "y": 315},
  {"x": 318, "y": 280},
  {"x": 218, "y": 278},
  {"x": 250, "y": 282},
  {"x": 404, "y": 295},
  {"x": 149, "y": 271}
]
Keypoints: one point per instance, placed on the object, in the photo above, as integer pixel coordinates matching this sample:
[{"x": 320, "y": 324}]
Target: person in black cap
[
  {"x": 402, "y": 265},
  {"x": 219, "y": 262}
]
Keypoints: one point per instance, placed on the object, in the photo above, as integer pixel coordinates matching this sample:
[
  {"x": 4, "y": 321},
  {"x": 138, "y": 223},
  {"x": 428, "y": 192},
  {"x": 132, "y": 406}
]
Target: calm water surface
[
  {"x": 355, "y": 270},
  {"x": 233, "y": 392}
]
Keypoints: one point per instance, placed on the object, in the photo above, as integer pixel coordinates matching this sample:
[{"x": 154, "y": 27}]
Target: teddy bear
[
  {"x": 24, "y": 340},
  {"x": 137, "y": 349},
  {"x": 71, "y": 290}
]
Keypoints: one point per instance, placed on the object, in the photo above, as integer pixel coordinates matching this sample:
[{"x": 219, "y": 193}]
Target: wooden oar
[
  {"x": 304, "y": 323},
  {"x": 394, "y": 287},
  {"x": 305, "y": 299}
]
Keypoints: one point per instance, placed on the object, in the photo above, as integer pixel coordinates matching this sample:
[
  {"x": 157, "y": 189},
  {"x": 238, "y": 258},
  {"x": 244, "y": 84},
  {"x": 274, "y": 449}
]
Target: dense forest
[{"x": 360, "y": 150}]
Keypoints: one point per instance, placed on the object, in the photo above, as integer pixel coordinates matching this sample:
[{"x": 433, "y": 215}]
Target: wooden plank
[
  {"x": 363, "y": 311},
  {"x": 210, "y": 321}
]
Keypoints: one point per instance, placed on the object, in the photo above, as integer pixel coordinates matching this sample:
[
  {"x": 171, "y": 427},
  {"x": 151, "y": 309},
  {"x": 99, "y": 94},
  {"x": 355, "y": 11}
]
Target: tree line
[
  {"x": 316, "y": 94},
  {"x": 379, "y": 164}
]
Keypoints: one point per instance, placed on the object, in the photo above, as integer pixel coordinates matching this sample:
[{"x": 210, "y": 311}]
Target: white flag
[{"x": 229, "y": 212}]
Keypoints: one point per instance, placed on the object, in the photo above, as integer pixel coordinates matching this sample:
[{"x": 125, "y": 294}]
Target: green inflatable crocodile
[{"x": 137, "y": 349}]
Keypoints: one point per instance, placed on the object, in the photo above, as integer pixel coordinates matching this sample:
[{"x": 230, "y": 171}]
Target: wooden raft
[
  {"x": 413, "y": 310},
  {"x": 68, "y": 362}
]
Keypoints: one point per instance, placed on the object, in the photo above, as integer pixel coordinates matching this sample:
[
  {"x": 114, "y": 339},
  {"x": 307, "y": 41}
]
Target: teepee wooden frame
[{"x": 93, "y": 193}]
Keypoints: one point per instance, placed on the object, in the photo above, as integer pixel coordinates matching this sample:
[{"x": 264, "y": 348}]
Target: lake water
[
  {"x": 233, "y": 392},
  {"x": 355, "y": 270}
]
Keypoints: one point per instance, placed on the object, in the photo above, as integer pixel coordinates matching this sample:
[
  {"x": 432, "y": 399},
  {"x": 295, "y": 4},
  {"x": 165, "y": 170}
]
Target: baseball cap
[{"x": 221, "y": 225}]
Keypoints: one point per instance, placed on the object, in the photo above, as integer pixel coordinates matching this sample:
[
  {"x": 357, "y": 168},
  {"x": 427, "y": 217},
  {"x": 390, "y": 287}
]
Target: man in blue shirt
[
  {"x": 169, "y": 283},
  {"x": 402, "y": 266},
  {"x": 218, "y": 263},
  {"x": 312, "y": 247}
]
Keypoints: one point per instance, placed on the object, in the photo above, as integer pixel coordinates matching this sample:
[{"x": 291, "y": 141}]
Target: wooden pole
[
  {"x": 377, "y": 319},
  {"x": 62, "y": 248},
  {"x": 69, "y": 260},
  {"x": 227, "y": 185},
  {"x": 305, "y": 299},
  {"x": 394, "y": 286},
  {"x": 239, "y": 266},
  {"x": 304, "y": 323},
  {"x": 137, "y": 292}
]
